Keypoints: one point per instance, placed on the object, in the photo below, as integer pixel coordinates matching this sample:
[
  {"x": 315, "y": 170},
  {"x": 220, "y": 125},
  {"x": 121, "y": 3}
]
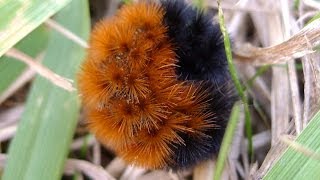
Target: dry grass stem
[
  {"x": 41, "y": 70},
  {"x": 68, "y": 34},
  {"x": 307, "y": 90},
  {"x": 3, "y": 159},
  {"x": 132, "y": 173},
  {"x": 204, "y": 171},
  {"x": 295, "y": 47},
  {"x": 260, "y": 140},
  {"x": 303, "y": 18},
  {"x": 96, "y": 153},
  {"x": 232, "y": 7},
  {"x": 7, "y": 133},
  {"x": 272, "y": 157},
  {"x": 293, "y": 79},
  {"x": 232, "y": 171},
  {"x": 269, "y": 29},
  {"x": 157, "y": 175},
  {"x": 72, "y": 165},
  {"x": 236, "y": 148},
  {"x": 78, "y": 143},
  {"x": 295, "y": 96},
  {"x": 312, "y": 3},
  {"x": 11, "y": 116},
  {"x": 116, "y": 167},
  {"x": 240, "y": 169},
  {"x": 89, "y": 169},
  {"x": 245, "y": 159},
  {"x": 311, "y": 87},
  {"x": 300, "y": 148},
  {"x": 25, "y": 77}
]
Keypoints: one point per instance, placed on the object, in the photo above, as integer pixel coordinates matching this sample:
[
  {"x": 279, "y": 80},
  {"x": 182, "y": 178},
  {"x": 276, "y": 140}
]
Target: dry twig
[
  {"x": 67, "y": 33},
  {"x": 42, "y": 70},
  {"x": 295, "y": 47}
]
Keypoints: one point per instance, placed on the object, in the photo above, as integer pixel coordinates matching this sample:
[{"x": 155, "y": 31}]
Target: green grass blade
[
  {"x": 315, "y": 17},
  {"x": 227, "y": 140},
  {"x": 200, "y": 4},
  {"x": 19, "y": 18},
  {"x": 296, "y": 4},
  {"x": 261, "y": 70},
  {"x": 41, "y": 144},
  {"x": 126, "y": 1},
  {"x": 296, "y": 165},
  {"x": 33, "y": 44},
  {"x": 235, "y": 79}
]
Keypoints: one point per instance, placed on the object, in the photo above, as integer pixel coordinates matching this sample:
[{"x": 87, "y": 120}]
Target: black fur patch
[{"x": 201, "y": 58}]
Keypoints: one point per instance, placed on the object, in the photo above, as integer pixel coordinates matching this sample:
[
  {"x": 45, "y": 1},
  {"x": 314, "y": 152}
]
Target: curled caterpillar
[{"x": 155, "y": 85}]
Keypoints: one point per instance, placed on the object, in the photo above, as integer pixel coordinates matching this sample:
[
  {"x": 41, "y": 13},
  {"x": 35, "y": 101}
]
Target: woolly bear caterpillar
[{"x": 155, "y": 85}]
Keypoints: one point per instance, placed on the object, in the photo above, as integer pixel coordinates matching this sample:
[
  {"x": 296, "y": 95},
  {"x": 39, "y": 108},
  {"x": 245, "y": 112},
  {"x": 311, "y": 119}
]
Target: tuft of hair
[{"x": 155, "y": 85}]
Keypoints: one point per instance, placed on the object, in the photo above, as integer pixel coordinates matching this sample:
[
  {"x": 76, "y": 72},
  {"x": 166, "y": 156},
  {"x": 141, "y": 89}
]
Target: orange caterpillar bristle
[{"x": 138, "y": 102}]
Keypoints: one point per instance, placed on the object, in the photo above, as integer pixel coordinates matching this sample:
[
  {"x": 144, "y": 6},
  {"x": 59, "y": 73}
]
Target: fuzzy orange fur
[{"x": 134, "y": 102}]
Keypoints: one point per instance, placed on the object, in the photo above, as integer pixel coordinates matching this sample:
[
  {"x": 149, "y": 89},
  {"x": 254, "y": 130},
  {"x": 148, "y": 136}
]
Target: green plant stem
[
  {"x": 227, "y": 140},
  {"x": 235, "y": 79}
]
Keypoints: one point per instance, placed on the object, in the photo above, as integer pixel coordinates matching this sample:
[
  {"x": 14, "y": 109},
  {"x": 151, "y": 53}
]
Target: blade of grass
[
  {"x": 33, "y": 44},
  {"x": 296, "y": 4},
  {"x": 200, "y": 4},
  {"x": 227, "y": 140},
  {"x": 299, "y": 147},
  {"x": 235, "y": 79},
  {"x": 41, "y": 144},
  {"x": 19, "y": 18},
  {"x": 317, "y": 16},
  {"x": 261, "y": 70},
  {"x": 126, "y": 1},
  {"x": 296, "y": 165},
  {"x": 84, "y": 149}
]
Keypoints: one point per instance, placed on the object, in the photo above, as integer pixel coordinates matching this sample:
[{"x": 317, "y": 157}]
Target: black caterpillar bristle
[{"x": 201, "y": 57}]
